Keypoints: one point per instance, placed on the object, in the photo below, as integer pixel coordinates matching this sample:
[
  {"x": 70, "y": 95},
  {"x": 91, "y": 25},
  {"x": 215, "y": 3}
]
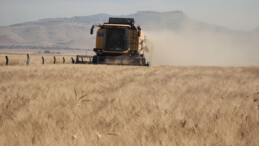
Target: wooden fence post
[
  {"x": 64, "y": 60},
  {"x": 28, "y": 59},
  {"x": 54, "y": 60},
  {"x": 7, "y": 60},
  {"x": 43, "y": 60}
]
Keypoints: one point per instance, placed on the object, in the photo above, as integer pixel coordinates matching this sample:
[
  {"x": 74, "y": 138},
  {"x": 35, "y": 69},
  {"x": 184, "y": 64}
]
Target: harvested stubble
[{"x": 122, "y": 105}]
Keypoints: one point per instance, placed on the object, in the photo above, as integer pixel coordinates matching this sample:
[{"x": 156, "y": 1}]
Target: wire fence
[{"x": 12, "y": 60}]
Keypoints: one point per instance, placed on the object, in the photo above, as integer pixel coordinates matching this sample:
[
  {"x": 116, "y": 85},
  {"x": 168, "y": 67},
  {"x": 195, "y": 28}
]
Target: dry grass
[{"x": 121, "y": 105}]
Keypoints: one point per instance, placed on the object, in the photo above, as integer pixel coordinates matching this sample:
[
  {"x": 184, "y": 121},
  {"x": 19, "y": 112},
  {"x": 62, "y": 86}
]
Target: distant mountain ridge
[
  {"x": 76, "y": 19},
  {"x": 74, "y": 32}
]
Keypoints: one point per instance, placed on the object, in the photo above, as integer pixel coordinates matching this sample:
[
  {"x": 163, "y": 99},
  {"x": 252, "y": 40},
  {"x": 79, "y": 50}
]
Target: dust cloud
[{"x": 206, "y": 48}]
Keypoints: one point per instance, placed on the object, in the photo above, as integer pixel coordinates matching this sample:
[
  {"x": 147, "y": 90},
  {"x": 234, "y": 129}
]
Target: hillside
[
  {"x": 121, "y": 105},
  {"x": 61, "y": 32},
  {"x": 74, "y": 32},
  {"x": 173, "y": 38}
]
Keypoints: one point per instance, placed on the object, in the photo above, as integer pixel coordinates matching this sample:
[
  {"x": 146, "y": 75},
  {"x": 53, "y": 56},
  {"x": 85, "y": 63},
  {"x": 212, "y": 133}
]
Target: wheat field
[{"x": 124, "y": 105}]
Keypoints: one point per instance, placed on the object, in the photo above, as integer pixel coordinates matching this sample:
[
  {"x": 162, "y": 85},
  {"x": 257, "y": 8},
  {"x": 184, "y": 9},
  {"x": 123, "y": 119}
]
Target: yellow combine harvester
[{"x": 118, "y": 42}]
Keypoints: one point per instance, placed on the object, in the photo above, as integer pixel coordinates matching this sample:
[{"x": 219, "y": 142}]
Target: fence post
[
  {"x": 43, "y": 60},
  {"x": 54, "y": 60},
  {"x": 28, "y": 59},
  {"x": 64, "y": 60},
  {"x": 7, "y": 60}
]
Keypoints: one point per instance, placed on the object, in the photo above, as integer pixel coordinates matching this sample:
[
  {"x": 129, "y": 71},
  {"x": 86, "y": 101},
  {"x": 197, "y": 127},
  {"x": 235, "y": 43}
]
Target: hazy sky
[{"x": 235, "y": 14}]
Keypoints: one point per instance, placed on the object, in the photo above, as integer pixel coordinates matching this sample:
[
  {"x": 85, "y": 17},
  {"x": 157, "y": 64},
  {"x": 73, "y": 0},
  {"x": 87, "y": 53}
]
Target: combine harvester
[{"x": 118, "y": 42}]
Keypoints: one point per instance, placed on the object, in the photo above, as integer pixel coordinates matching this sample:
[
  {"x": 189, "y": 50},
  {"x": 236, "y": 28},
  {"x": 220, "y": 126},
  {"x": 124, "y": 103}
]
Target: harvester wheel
[
  {"x": 95, "y": 59},
  {"x": 98, "y": 59}
]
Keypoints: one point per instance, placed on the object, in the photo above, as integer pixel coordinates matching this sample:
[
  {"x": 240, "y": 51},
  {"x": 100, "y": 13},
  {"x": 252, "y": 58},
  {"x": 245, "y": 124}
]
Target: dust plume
[{"x": 198, "y": 47}]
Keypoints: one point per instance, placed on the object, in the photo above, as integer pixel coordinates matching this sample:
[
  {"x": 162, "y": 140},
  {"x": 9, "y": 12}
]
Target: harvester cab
[{"x": 119, "y": 42}]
